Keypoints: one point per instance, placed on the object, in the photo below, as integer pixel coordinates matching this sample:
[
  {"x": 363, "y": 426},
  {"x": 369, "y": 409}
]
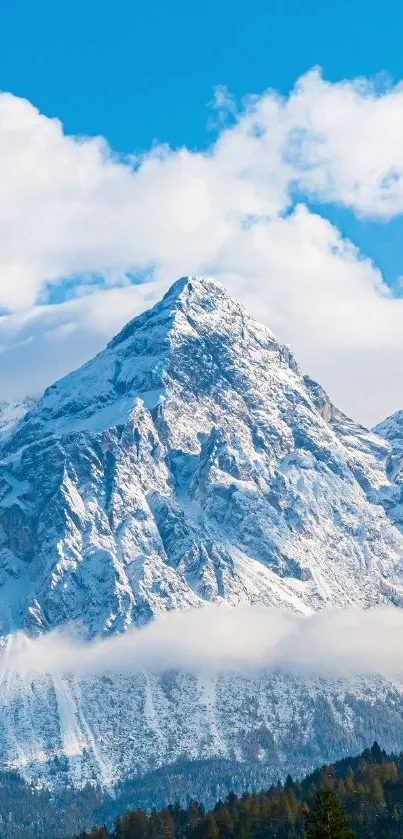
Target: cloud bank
[
  {"x": 77, "y": 222},
  {"x": 251, "y": 640}
]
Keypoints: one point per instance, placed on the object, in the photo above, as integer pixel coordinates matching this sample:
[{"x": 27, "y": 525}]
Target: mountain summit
[
  {"x": 189, "y": 462},
  {"x": 184, "y": 342}
]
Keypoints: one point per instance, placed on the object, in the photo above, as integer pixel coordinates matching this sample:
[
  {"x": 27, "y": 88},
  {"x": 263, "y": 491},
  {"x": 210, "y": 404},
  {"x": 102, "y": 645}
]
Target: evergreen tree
[{"x": 328, "y": 819}]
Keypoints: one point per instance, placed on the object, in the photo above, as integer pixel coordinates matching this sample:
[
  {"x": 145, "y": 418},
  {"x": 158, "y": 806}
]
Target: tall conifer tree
[{"x": 328, "y": 819}]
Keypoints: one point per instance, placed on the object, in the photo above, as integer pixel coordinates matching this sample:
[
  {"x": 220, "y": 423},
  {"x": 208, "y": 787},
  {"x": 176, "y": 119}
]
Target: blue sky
[
  {"x": 144, "y": 74},
  {"x": 138, "y": 72}
]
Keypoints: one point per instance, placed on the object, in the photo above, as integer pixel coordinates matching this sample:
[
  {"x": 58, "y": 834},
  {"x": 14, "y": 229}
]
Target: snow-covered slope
[
  {"x": 391, "y": 430},
  {"x": 188, "y": 462},
  {"x": 12, "y": 412},
  {"x": 112, "y": 729}
]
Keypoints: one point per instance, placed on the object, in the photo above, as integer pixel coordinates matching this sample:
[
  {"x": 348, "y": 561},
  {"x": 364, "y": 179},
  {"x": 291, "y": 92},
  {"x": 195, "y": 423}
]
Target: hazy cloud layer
[
  {"x": 70, "y": 208},
  {"x": 337, "y": 643}
]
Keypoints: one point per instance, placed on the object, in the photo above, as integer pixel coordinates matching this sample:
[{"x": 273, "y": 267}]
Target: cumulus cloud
[
  {"x": 348, "y": 142},
  {"x": 330, "y": 644},
  {"x": 71, "y": 208}
]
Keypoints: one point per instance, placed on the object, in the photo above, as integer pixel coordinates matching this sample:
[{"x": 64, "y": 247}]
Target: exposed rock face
[{"x": 188, "y": 462}]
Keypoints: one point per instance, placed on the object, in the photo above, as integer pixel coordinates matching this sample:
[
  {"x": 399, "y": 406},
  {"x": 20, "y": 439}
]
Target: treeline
[{"x": 368, "y": 788}]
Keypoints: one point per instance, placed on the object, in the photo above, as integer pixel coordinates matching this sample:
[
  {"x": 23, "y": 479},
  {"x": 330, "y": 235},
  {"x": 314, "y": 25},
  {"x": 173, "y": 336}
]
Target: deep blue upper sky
[{"x": 138, "y": 72}]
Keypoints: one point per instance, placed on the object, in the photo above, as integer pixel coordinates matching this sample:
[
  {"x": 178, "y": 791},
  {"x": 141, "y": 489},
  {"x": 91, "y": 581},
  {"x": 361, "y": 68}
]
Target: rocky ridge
[{"x": 190, "y": 462}]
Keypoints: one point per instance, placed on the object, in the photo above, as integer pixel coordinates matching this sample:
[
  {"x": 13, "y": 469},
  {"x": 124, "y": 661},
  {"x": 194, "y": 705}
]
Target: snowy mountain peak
[
  {"x": 192, "y": 297},
  {"x": 189, "y": 462},
  {"x": 199, "y": 293},
  {"x": 391, "y": 429},
  {"x": 193, "y": 303},
  {"x": 187, "y": 343},
  {"x": 194, "y": 288}
]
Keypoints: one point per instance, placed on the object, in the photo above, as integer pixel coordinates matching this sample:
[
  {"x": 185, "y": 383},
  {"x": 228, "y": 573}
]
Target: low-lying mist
[{"x": 330, "y": 643}]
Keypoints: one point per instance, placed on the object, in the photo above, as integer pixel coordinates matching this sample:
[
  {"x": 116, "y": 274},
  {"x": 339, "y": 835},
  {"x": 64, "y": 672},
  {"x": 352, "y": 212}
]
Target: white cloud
[
  {"x": 348, "y": 143},
  {"x": 331, "y": 643},
  {"x": 69, "y": 207}
]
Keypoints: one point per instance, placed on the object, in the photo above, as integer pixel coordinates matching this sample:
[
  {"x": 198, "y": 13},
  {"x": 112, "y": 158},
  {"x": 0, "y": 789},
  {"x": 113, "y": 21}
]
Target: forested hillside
[{"x": 369, "y": 787}]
